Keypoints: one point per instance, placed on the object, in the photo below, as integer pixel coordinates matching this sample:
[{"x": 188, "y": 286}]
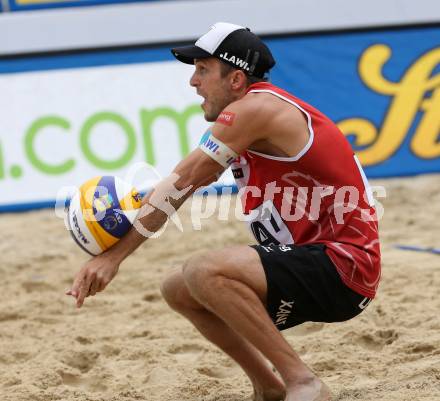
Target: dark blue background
[{"x": 15, "y": 6}]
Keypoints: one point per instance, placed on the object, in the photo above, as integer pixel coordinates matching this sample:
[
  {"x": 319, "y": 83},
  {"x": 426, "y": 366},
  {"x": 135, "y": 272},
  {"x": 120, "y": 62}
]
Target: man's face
[{"x": 215, "y": 89}]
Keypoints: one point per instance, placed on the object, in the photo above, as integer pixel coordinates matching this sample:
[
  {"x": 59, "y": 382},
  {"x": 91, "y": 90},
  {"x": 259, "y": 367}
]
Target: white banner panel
[
  {"x": 59, "y": 128},
  {"x": 172, "y": 21}
]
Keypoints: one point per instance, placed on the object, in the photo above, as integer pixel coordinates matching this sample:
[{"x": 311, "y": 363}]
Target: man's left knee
[{"x": 202, "y": 270}]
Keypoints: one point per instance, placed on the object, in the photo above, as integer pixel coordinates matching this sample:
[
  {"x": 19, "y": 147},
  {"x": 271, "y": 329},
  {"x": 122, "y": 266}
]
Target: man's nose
[{"x": 194, "y": 81}]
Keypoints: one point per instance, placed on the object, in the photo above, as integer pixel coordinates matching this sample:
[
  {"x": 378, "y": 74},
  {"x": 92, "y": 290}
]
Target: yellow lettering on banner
[
  {"x": 408, "y": 99},
  {"x": 425, "y": 143}
]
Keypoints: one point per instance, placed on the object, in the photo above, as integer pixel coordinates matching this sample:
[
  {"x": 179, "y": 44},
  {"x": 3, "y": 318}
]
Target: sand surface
[{"x": 126, "y": 344}]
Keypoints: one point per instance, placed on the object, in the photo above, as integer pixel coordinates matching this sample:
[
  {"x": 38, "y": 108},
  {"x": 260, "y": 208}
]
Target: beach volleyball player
[{"x": 308, "y": 204}]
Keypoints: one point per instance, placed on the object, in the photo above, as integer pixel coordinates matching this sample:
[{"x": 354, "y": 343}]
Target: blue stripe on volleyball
[{"x": 113, "y": 220}]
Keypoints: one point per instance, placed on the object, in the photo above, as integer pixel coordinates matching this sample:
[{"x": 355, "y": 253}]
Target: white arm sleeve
[{"x": 217, "y": 150}]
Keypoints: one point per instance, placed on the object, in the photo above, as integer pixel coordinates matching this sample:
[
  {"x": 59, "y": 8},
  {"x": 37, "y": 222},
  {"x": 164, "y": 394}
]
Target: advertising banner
[
  {"x": 59, "y": 128},
  {"x": 67, "y": 118},
  {"x": 382, "y": 88}
]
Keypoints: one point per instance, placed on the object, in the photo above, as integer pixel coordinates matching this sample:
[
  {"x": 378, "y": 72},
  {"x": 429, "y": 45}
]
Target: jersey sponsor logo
[
  {"x": 284, "y": 310},
  {"x": 238, "y": 173},
  {"x": 226, "y": 118},
  {"x": 235, "y": 60}
]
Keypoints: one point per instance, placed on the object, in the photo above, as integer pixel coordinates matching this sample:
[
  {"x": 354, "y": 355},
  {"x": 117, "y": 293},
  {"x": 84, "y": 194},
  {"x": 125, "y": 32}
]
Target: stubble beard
[{"x": 217, "y": 107}]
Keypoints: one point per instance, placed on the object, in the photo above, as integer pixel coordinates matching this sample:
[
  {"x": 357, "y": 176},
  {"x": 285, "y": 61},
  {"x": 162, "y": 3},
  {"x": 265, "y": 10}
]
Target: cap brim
[{"x": 187, "y": 54}]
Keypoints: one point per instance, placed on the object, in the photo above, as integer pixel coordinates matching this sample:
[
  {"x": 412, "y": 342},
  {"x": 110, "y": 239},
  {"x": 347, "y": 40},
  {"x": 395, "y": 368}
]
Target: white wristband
[{"x": 217, "y": 150}]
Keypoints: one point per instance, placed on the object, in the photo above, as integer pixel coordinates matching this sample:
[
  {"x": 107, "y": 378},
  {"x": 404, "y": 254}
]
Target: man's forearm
[
  {"x": 156, "y": 208},
  {"x": 135, "y": 237}
]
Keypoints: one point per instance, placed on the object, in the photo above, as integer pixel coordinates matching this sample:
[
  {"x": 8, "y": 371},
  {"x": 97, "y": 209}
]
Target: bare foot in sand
[
  {"x": 271, "y": 395},
  {"x": 310, "y": 390},
  {"x": 276, "y": 392}
]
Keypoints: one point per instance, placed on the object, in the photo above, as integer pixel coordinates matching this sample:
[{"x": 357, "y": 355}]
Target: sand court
[{"x": 125, "y": 344}]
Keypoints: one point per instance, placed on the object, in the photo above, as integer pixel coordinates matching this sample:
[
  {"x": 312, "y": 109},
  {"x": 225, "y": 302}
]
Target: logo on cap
[{"x": 235, "y": 60}]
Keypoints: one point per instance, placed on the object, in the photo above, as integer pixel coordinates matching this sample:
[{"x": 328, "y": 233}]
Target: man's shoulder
[
  {"x": 268, "y": 105},
  {"x": 256, "y": 104},
  {"x": 262, "y": 111},
  {"x": 250, "y": 109}
]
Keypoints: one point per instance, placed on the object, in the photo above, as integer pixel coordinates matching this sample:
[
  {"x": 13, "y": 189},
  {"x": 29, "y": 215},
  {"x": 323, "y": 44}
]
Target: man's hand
[{"x": 93, "y": 277}]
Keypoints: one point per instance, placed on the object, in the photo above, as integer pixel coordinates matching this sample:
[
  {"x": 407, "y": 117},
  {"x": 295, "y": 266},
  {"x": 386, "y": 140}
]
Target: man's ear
[{"x": 238, "y": 80}]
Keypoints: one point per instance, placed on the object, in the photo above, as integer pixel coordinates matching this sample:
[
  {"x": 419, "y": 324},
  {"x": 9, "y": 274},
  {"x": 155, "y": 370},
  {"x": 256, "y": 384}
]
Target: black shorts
[{"x": 304, "y": 286}]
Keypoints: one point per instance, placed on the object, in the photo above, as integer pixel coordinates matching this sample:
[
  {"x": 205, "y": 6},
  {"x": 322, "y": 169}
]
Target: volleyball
[{"x": 101, "y": 212}]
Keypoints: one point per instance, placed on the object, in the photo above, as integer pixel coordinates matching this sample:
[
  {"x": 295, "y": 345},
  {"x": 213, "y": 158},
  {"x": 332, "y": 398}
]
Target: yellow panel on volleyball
[
  {"x": 87, "y": 190},
  {"x": 131, "y": 201}
]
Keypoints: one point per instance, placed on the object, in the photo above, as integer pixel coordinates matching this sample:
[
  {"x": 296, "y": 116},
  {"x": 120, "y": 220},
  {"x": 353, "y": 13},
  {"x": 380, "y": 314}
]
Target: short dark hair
[{"x": 225, "y": 69}]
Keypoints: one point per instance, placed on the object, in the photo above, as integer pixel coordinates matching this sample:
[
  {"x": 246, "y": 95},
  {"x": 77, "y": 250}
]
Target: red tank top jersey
[{"x": 321, "y": 195}]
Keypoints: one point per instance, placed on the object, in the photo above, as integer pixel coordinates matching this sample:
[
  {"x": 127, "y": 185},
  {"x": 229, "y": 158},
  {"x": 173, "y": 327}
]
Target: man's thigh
[{"x": 240, "y": 263}]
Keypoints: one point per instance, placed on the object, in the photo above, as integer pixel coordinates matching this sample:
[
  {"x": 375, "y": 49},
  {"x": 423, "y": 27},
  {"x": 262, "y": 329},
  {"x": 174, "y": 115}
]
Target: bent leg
[
  {"x": 267, "y": 386},
  {"x": 231, "y": 284}
]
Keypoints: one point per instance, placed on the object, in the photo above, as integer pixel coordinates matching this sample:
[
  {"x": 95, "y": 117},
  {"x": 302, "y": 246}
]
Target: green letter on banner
[
  {"x": 86, "y": 132},
  {"x": 29, "y": 141},
  {"x": 181, "y": 120}
]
